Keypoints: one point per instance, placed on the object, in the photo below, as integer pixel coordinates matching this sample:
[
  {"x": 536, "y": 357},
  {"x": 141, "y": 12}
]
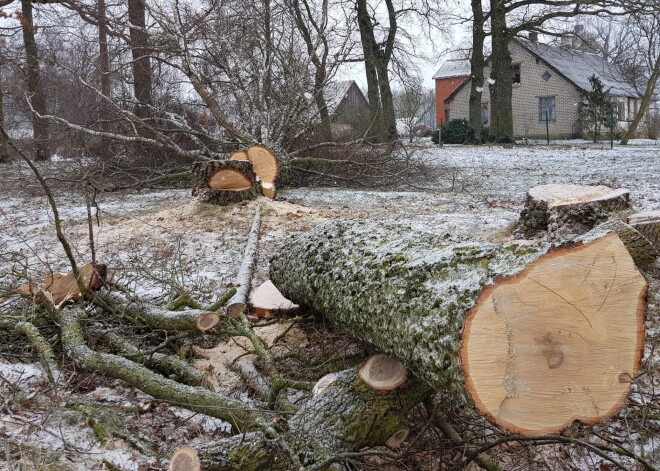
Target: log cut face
[
  {"x": 566, "y": 210},
  {"x": 408, "y": 293},
  {"x": 225, "y": 182},
  {"x": 540, "y": 350}
]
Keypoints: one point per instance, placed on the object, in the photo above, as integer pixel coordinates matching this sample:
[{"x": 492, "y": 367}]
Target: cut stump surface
[{"x": 538, "y": 352}]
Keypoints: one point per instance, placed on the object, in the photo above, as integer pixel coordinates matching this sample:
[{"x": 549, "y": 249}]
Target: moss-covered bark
[
  {"x": 403, "y": 291},
  {"x": 347, "y": 416}
]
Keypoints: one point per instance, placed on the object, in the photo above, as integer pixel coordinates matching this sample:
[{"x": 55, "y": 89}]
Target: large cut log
[
  {"x": 567, "y": 210},
  {"x": 648, "y": 224},
  {"x": 346, "y": 416},
  {"x": 225, "y": 182},
  {"x": 534, "y": 337}
]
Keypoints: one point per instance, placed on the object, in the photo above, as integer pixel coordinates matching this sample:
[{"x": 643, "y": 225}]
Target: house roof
[
  {"x": 578, "y": 66},
  {"x": 575, "y": 66},
  {"x": 335, "y": 92},
  {"x": 453, "y": 68}
]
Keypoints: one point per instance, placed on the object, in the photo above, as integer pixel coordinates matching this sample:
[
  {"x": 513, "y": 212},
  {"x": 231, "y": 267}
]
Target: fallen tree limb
[
  {"x": 167, "y": 365},
  {"x": 533, "y": 337},
  {"x": 158, "y": 318},
  {"x": 241, "y": 415},
  {"x": 238, "y": 303},
  {"x": 47, "y": 358}
]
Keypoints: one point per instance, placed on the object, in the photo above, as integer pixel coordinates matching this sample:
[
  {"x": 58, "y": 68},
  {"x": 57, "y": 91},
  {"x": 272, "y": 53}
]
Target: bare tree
[
  {"x": 409, "y": 104},
  {"x": 34, "y": 85}
]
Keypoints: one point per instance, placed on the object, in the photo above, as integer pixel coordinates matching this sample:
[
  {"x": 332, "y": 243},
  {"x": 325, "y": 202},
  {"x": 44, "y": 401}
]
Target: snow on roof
[
  {"x": 453, "y": 68},
  {"x": 335, "y": 92},
  {"x": 578, "y": 66}
]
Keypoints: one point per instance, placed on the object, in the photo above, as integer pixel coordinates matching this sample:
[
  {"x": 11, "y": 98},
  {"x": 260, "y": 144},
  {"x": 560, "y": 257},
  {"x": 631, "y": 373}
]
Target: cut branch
[{"x": 238, "y": 303}]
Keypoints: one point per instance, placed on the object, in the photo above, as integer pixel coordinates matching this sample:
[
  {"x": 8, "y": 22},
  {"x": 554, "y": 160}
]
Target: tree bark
[
  {"x": 428, "y": 301},
  {"x": 34, "y": 84},
  {"x": 477, "y": 63}
]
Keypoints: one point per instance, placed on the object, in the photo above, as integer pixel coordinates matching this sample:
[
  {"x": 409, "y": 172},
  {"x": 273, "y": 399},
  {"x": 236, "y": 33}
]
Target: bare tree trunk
[
  {"x": 368, "y": 47},
  {"x": 35, "y": 87},
  {"x": 501, "y": 91},
  {"x": 4, "y": 149},
  {"x": 386, "y": 101},
  {"x": 104, "y": 57},
  {"x": 477, "y": 68},
  {"x": 141, "y": 61},
  {"x": 644, "y": 105}
]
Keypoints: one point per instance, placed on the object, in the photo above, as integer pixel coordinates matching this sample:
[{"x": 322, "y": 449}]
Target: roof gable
[{"x": 335, "y": 92}]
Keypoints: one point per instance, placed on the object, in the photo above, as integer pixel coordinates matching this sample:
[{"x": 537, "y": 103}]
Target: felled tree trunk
[
  {"x": 534, "y": 338},
  {"x": 225, "y": 182},
  {"x": 648, "y": 224},
  {"x": 347, "y": 415},
  {"x": 568, "y": 210}
]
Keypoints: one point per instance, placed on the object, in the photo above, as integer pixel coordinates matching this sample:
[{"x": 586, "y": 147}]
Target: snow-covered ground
[{"x": 160, "y": 241}]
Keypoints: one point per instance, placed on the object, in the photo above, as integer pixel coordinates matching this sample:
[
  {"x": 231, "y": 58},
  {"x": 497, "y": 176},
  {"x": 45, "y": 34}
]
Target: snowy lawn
[{"x": 159, "y": 242}]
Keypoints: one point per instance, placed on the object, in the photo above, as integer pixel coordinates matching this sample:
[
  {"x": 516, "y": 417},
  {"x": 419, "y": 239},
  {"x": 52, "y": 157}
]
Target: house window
[
  {"x": 447, "y": 115},
  {"x": 547, "y": 108},
  {"x": 546, "y": 75},
  {"x": 516, "y": 74},
  {"x": 484, "y": 114},
  {"x": 621, "y": 111}
]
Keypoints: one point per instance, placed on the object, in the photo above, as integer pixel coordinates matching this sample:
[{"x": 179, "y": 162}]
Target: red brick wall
[{"x": 444, "y": 88}]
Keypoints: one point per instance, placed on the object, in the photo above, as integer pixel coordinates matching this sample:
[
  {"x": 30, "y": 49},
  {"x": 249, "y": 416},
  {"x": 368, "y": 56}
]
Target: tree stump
[
  {"x": 532, "y": 337},
  {"x": 564, "y": 210},
  {"x": 648, "y": 224},
  {"x": 225, "y": 182}
]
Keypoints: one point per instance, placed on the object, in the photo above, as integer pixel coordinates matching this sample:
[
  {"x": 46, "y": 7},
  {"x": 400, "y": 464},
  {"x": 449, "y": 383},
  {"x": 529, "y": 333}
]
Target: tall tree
[
  {"x": 377, "y": 57},
  {"x": 35, "y": 87},
  {"x": 142, "y": 77},
  {"x": 477, "y": 63}
]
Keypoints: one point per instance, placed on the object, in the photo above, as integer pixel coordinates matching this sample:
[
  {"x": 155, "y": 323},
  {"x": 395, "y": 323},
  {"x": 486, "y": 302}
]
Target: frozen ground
[{"x": 162, "y": 241}]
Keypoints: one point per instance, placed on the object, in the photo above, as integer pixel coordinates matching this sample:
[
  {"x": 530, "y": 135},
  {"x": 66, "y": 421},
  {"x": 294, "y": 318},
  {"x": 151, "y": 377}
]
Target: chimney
[
  {"x": 534, "y": 36},
  {"x": 567, "y": 40}
]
